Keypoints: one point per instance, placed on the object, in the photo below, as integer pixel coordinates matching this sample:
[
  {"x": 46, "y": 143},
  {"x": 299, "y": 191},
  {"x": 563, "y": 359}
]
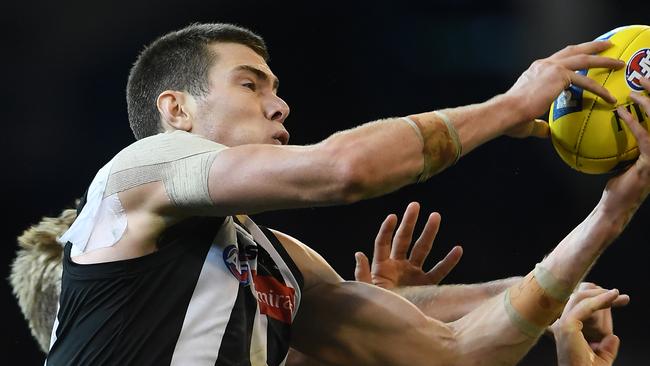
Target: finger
[
  {"x": 583, "y": 62},
  {"x": 384, "y": 238},
  {"x": 404, "y": 233},
  {"x": 588, "y": 286},
  {"x": 445, "y": 266},
  {"x": 422, "y": 246},
  {"x": 580, "y": 295},
  {"x": 362, "y": 268},
  {"x": 585, "y": 48},
  {"x": 622, "y": 300},
  {"x": 589, "y": 305},
  {"x": 608, "y": 348},
  {"x": 590, "y": 84},
  {"x": 641, "y": 135},
  {"x": 540, "y": 129}
]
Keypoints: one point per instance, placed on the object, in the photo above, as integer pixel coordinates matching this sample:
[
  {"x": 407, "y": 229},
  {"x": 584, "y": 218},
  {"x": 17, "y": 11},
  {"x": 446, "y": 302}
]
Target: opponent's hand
[
  {"x": 600, "y": 323},
  {"x": 545, "y": 79},
  {"x": 391, "y": 268},
  {"x": 640, "y": 133},
  {"x": 634, "y": 183},
  {"x": 572, "y": 347}
]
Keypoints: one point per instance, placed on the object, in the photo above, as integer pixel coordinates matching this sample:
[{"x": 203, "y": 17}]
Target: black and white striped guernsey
[{"x": 217, "y": 292}]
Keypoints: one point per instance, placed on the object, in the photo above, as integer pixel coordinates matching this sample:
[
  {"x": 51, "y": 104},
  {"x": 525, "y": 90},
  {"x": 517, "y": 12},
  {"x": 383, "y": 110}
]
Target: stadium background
[{"x": 65, "y": 66}]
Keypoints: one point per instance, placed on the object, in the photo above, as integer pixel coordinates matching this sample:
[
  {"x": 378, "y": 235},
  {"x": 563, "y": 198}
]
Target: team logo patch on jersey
[
  {"x": 237, "y": 262},
  {"x": 275, "y": 299},
  {"x": 638, "y": 67}
]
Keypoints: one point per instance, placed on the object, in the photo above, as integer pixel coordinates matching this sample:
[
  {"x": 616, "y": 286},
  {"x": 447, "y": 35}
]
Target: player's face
[{"x": 242, "y": 106}]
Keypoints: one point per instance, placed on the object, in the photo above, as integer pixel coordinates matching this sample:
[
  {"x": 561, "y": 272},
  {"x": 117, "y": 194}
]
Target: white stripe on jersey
[
  {"x": 258, "y": 351},
  {"x": 210, "y": 308}
]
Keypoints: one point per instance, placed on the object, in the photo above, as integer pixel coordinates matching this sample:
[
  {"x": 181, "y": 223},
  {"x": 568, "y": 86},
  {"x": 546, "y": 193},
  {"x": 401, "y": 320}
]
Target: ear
[{"x": 176, "y": 110}]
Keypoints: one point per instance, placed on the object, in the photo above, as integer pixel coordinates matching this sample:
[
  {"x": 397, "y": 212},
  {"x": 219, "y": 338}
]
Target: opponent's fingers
[
  {"x": 589, "y": 305},
  {"x": 583, "y": 48},
  {"x": 445, "y": 266},
  {"x": 362, "y": 268},
  {"x": 384, "y": 238},
  {"x": 422, "y": 246},
  {"x": 641, "y": 135},
  {"x": 404, "y": 234},
  {"x": 583, "y": 293},
  {"x": 583, "y": 62},
  {"x": 591, "y": 85},
  {"x": 587, "y": 286},
  {"x": 608, "y": 348},
  {"x": 621, "y": 300}
]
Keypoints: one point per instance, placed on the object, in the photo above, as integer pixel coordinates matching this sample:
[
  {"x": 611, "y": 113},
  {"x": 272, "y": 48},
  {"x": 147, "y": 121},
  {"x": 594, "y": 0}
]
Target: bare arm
[
  {"x": 382, "y": 156},
  {"x": 451, "y": 302}
]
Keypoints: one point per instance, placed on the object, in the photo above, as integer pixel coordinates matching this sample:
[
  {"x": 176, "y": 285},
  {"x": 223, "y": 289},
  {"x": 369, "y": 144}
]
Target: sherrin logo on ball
[
  {"x": 586, "y": 131},
  {"x": 638, "y": 67}
]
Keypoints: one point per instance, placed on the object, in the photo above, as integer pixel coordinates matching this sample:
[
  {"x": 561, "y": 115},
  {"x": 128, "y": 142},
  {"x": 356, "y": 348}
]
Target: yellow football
[{"x": 586, "y": 131}]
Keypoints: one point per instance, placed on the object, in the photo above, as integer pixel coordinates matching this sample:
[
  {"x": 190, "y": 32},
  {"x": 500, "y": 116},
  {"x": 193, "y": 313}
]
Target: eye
[{"x": 250, "y": 85}]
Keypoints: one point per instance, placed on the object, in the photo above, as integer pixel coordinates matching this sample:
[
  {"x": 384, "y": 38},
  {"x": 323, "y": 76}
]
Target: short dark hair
[{"x": 179, "y": 60}]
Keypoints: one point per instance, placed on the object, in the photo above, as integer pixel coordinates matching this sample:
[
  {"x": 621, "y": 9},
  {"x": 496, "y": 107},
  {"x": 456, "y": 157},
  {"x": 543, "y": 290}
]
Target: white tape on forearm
[
  {"x": 452, "y": 133},
  {"x": 551, "y": 285},
  {"x": 426, "y": 165},
  {"x": 526, "y": 327}
]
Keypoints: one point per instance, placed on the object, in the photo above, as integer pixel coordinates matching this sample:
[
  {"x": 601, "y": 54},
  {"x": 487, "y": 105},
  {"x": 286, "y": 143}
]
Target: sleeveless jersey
[{"x": 218, "y": 291}]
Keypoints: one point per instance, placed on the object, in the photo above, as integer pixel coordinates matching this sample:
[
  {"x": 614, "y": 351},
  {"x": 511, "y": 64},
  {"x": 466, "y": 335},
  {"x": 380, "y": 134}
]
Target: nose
[{"x": 276, "y": 109}]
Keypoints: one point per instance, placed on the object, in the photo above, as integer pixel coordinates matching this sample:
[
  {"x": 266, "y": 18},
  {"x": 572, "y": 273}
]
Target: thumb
[
  {"x": 608, "y": 348},
  {"x": 540, "y": 129},
  {"x": 362, "y": 268}
]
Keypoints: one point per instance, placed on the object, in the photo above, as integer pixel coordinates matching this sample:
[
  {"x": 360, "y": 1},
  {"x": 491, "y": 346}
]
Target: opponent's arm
[
  {"x": 382, "y": 156},
  {"x": 451, "y": 302}
]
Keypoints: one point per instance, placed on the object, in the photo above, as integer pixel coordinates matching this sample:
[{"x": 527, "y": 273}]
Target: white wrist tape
[
  {"x": 530, "y": 307},
  {"x": 452, "y": 133},
  {"x": 526, "y": 327},
  {"x": 552, "y": 286},
  {"x": 428, "y": 169}
]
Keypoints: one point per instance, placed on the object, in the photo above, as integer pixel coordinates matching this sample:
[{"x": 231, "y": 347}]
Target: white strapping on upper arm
[{"x": 179, "y": 159}]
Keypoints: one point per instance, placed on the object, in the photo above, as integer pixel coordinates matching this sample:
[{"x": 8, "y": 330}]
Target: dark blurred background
[{"x": 65, "y": 67}]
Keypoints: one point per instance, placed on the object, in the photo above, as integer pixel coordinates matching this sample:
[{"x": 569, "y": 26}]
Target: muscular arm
[
  {"x": 367, "y": 161},
  {"x": 383, "y": 156},
  {"x": 451, "y": 302}
]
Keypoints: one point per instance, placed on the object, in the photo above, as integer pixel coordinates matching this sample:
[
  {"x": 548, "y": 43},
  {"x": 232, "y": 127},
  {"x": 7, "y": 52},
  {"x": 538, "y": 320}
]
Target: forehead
[{"x": 232, "y": 55}]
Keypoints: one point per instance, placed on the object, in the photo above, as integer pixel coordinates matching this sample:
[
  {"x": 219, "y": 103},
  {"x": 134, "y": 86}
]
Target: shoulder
[
  {"x": 312, "y": 265},
  {"x": 166, "y": 147}
]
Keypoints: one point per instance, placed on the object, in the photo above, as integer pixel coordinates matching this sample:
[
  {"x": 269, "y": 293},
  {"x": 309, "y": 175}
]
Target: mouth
[{"x": 282, "y": 137}]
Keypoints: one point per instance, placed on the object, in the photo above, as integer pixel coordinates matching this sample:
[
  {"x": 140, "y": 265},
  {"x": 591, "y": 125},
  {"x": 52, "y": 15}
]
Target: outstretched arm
[{"x": 384, "y": 155}]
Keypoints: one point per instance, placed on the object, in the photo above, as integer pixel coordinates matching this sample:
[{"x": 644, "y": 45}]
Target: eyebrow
[{"x": 260, "y": 74}]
